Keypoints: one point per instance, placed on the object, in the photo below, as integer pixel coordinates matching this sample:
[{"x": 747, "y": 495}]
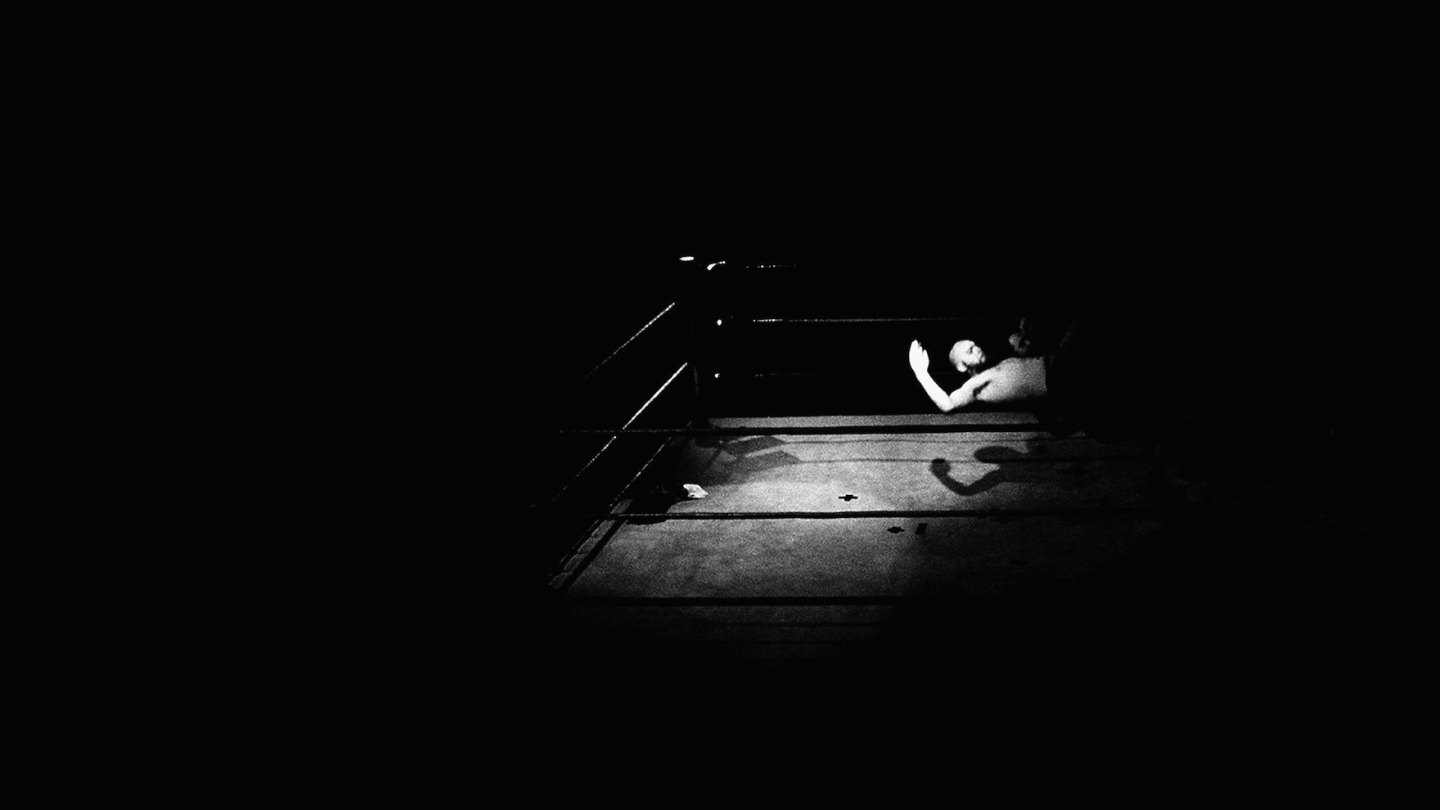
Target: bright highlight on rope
[{"x": 687, "y": 258}]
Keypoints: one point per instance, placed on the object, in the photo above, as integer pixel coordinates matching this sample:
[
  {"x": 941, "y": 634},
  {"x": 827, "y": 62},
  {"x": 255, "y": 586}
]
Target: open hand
[{"x": 919, "y": 358}]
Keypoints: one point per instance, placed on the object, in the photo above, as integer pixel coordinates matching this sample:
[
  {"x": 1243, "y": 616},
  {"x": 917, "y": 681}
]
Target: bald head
[{"x": 967, "y": 356}]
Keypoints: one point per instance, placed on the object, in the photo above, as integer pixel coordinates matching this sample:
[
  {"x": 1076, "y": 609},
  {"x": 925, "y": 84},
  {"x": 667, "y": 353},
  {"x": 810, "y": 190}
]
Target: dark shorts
[
  {"x": 1070, "y": 367},
  {"x": 1103, "y": 380}
]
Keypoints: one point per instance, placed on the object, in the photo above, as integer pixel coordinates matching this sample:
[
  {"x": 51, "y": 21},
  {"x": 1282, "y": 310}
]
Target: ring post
[{"x": 697, "y": 319}]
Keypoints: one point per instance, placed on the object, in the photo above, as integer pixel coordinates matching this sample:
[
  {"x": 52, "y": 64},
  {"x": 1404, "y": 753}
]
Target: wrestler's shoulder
[{"x": 1019, "y": 362}]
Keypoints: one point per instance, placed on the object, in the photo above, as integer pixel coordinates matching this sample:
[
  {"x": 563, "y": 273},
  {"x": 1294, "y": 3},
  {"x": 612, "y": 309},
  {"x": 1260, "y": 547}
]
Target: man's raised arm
[{"x": 960, "y": 398}]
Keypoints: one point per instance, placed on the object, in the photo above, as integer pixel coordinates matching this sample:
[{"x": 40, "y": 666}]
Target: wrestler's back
[{"x": 1015, "y": 378}]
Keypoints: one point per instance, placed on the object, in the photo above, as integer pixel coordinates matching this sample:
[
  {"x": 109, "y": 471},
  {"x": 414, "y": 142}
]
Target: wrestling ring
[{"x": 768, "y": 490}]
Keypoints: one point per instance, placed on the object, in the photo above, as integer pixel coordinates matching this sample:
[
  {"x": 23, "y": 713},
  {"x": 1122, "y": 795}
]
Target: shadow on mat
[{"x": 1014, "y": 474}]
